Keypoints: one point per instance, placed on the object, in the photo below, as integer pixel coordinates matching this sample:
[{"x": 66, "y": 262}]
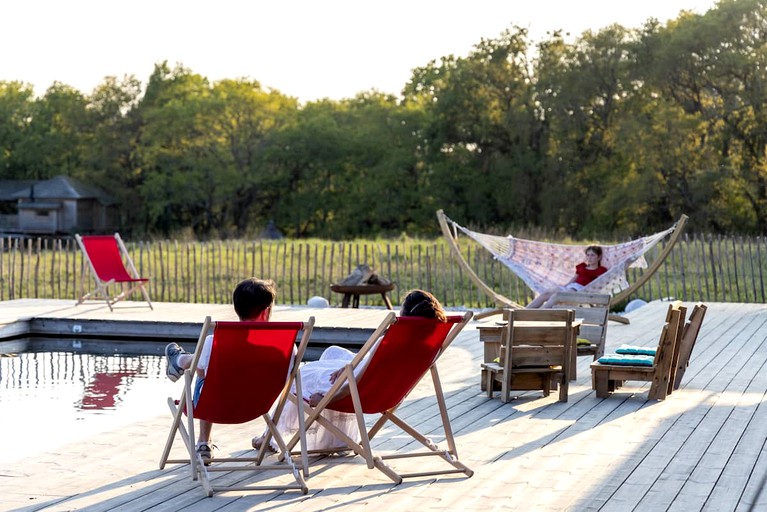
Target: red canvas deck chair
[
  {"x": 252, "y": 366},
  {"x": 409, "y": 348},
  {"x": 111, "y": 265}
]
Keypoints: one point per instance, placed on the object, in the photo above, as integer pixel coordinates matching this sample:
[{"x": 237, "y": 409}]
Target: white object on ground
[
  {"x": 634, "y": 305},
  {"x": 318, "y": 302}
]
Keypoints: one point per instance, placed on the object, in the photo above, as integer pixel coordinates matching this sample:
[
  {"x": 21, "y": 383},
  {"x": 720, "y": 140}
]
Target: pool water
[{"x": 51, "y": 398}]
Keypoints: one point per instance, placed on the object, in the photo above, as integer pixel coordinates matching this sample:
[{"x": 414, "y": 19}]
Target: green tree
[
  {"x": 16, "y": 100},
  {"x": 56, "y": 135},
  {"x": 245, "y": 124},
  {"x": 486, "y": 140},
  {"x": 177, "y": 157},
  {"x": 714, "y": 67},
  {"x": 109, "y": 157}
]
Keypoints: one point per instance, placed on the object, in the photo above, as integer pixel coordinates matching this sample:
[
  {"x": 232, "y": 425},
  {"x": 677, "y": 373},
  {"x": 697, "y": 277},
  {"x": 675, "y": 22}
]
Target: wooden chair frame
[
  {"x": 592, "y": 309},
  {"x": 287, "y": 462},
  {"x": 606, "y": 378},
  {"x": 689, "y": 337},
  {"x": 534, "y": 357},
  {"x": 350, "y": 388}
]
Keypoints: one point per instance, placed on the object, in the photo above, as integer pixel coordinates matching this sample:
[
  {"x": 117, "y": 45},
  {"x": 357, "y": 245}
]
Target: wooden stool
[{"x": 352, "y": 293}]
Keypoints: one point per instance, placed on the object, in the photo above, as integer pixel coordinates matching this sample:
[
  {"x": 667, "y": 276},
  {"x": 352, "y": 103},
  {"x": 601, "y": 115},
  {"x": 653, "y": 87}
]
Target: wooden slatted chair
[
  {"x": 536, "y": 351},
  {"x": 609, "y": 372},
  {"x": 592, "y": 309},
  {"x": 252, "y": 367},
  {"x": 401, "y": 351},
  {"x": 111, "y": 266},
  {"x": 689, "y": 336}
]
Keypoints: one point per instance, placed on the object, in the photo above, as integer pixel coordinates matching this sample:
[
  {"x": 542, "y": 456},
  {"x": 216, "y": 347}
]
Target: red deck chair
[
  {"x": 252, "y": 366},
  {"x": 108, "y": 258},
  {"x": 409, "y": 348}
]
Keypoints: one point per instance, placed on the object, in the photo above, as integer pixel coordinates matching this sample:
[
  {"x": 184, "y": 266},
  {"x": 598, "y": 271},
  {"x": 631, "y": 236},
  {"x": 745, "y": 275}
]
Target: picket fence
[{"x": 700, "y": 267}]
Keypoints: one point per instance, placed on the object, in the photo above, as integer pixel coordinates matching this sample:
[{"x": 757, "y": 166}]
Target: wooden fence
[{"x": 700, "y": 267}]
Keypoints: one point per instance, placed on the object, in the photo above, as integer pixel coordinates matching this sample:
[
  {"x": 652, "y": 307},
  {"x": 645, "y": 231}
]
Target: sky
[{"x": 307, "y": 49}]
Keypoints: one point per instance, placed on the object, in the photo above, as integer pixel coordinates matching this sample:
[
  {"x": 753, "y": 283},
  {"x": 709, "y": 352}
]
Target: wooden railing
[{"x": 700, "y": 267}]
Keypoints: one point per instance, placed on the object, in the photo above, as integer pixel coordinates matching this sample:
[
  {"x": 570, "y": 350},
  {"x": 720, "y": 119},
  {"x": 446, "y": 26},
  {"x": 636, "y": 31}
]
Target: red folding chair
[
  {"x": 108, "y": 259},
  {"x": 252, "y": 366},
  {"x": 409, "y": 348}
]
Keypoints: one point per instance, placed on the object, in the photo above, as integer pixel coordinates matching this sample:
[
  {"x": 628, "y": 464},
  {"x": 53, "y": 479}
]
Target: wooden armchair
[
  {"x": 609, "y": 372},
  {"x": 536, "y": 351},
  {"x": 592, "y": 310},
  {"x": 689, "y": 336}
]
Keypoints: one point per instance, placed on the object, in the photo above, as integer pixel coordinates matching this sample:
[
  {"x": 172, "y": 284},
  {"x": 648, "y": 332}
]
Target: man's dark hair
[{"x": 253, "y": 296}]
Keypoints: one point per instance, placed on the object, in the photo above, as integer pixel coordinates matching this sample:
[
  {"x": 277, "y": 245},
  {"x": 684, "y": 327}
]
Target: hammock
[{"x": 543, "y": 266}]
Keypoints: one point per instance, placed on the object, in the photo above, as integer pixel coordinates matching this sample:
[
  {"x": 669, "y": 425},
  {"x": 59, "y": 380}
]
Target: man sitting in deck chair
[
  {"x": 243, "y": 370},
  {"x": 379, "y": 378},
  {"x": 105, "y": 255},
  {"x": 252, "y": 299}
]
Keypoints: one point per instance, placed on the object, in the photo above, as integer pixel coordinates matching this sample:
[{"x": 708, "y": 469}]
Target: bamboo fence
[{"x": 700, "y": 267}]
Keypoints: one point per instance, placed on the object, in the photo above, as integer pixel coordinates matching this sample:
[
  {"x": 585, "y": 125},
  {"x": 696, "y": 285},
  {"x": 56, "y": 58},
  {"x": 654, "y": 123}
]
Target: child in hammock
[{"x": 584, "y": 273}]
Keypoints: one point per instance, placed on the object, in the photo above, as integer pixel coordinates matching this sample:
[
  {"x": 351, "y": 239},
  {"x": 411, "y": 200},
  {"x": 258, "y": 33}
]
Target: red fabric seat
[
  {"x": 246, "y": 356},
  {"x": 407, "y": 350}
]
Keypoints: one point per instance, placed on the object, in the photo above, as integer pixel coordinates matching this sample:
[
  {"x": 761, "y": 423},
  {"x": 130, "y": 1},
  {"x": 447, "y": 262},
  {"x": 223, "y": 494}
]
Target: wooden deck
[{"x": 702, "y": 448}]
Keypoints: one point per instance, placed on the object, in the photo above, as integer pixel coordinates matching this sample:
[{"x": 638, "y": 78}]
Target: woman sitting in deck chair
[{"x": 318, "y": 376}]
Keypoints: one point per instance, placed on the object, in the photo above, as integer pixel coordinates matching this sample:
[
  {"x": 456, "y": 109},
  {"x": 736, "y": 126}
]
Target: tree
[
  {"x": 55, "y": 137},
  {"x": 486, "y": 138},
  {"x": 177, "y": 156},
  {"x": 15, "y": 114},
  {"x": 109, "y": 157},
  {"x": 714, "y": 67}
]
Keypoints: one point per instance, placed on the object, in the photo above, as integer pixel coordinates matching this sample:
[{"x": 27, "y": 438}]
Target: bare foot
[{"x": 258, "y": 441}]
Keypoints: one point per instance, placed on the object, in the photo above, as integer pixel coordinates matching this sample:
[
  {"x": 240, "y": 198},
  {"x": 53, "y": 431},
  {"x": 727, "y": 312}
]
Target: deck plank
[{"x": 704, "y": 446}]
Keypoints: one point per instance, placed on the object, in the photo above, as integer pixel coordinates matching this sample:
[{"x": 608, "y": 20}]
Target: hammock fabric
[{"x": 543, "y": 266}]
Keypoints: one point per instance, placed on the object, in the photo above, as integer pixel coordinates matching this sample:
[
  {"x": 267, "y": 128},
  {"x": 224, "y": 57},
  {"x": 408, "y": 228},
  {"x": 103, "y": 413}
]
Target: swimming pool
[{"x": 51, "y": 397}]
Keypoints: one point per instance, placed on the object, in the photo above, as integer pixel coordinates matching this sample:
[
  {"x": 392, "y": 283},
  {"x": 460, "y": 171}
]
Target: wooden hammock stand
[{"x": 505, "y": 302}]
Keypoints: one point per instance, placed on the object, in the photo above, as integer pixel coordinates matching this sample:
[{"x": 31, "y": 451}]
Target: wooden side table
[{"x": 352, "y": 293}]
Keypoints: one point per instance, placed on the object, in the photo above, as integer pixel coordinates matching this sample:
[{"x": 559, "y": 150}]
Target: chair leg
[
  {"x": 573, "y": 369},
  {"x": 564, "y": 387},
  {"x": 600, "y": 382},
  {"x": 658, "y": 391},
  {"x": 506, "y": 388},
  {"x": 489, "y": 382},
  {"x": 546, "y": 383}
]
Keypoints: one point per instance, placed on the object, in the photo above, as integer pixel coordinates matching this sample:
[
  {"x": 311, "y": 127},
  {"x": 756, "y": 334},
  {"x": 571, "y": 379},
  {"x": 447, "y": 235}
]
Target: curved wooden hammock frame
[{"x": 505, "y": 302}]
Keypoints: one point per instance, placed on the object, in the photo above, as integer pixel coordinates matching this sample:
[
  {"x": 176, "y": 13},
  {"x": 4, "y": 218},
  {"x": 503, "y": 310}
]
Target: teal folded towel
[
  {"x": 627, "y": 359},
  {"x": 634, "y": 350}
]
